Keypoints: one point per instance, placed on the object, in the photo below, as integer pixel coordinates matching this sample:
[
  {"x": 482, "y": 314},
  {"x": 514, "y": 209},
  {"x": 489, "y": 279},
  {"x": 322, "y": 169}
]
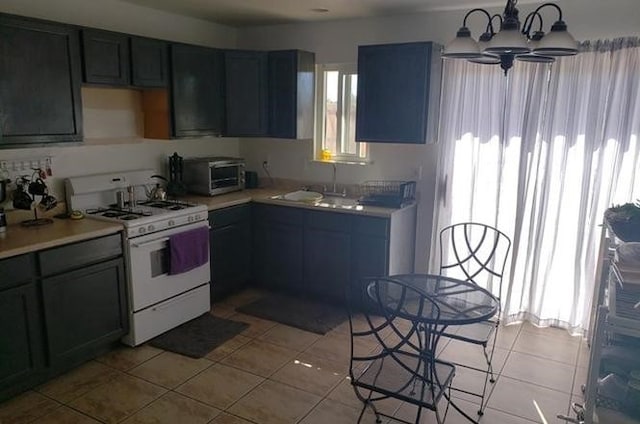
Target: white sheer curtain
[{"x": 540, "y": 155}]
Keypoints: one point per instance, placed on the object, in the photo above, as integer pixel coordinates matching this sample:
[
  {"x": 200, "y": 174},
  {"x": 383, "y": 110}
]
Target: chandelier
[{"x": 526, "y": 42}]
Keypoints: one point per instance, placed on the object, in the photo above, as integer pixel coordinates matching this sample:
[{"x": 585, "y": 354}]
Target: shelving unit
[{"x": 608, "y": 319}]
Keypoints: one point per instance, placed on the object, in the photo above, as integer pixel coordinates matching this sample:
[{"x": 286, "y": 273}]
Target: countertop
[
  {"x": 269, "y": 196},
  {"x": 17, "y": 239}
]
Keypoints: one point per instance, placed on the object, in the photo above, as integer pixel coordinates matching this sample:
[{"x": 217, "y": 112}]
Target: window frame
[{"x": 319, "y": 131}]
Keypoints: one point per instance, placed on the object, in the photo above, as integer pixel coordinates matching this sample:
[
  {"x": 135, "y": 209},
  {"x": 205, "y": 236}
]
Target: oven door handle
[
  {"x": 149, "y": 243},
  {"x": 156, "y": 241}
]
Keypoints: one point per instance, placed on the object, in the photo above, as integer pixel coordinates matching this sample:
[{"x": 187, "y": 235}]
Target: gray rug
[
  {"x": 199, "y": 336},
  {"x": 305, "y": 314}
]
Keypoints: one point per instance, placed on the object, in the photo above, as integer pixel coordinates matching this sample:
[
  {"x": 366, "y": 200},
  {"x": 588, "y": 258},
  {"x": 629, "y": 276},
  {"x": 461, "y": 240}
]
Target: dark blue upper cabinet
[
  {"x": 149, "y": 64},
  {"x": 40, "y": 76},
  {"x": 246, "y": 95},
  {"x": 105, "y": 57},
  {"x": 291, "y": 94},
  {"x": 398, "y": 92},
  {"x": 197, "y": 90}
]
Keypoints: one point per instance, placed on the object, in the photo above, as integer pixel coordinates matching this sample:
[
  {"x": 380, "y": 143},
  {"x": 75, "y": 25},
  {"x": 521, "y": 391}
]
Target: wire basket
[{"x": 387, "y": 193}]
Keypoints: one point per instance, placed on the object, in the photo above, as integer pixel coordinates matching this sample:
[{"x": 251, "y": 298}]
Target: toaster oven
[{"x": 214, "y": 175}]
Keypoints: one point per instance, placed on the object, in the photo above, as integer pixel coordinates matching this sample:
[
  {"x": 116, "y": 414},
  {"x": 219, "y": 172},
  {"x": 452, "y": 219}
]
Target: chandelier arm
[
  {"x": 464, "y": 22},
  {"x": 528, "y": 23},
  {"x": 497, "y": 15},
  {"x": 552, "y": 5}
]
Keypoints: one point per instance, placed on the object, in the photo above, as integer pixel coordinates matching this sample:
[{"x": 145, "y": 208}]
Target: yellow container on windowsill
[{"x": 325, "y": 154}]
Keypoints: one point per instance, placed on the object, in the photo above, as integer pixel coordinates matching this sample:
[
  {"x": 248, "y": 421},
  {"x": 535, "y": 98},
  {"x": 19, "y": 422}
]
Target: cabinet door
[
  {"x": 370, "y": 259},
  {"x": 370, "y": 256},
  {"x": 393, "y": 92},
  {"x": 327, "y": 263},
  {"x": 291, "y": 94},
  {"x": 105, "y": 57},
  {"x": 246, "y": 75},
  {"x": 40, "y": 83},
  {"x": 197, "y": 88},
  {"x": 278, "y": 247},
  {"x": 21, "y": 350},
  {"x": 284, "y": 245},
  {"x": 230, "y": 252},
  {"x": 149, "y": 67},
  {"x": 84, "y": 310}
]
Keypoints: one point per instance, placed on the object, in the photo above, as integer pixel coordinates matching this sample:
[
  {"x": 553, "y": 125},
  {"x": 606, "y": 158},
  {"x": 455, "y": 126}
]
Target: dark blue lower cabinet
[
  {"x": 230, "y": 249},
  {"x": 21, "y": 343},
  {"x": 327, "y": 263},
  {"x": 85, "y": 310},
  {"x": 59, "y": 311},
  {"x": 320, "y": 253}
]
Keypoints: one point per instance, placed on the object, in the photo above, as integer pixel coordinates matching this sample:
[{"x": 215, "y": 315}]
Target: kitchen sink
[
  {"x": 300, "y": 196},
  {"x": 316, "y": 199},
  {"x": 338, "y": 202}
]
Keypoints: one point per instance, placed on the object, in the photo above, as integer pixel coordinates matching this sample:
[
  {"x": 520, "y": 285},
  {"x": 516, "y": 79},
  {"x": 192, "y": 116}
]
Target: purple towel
[{"x": 188, "y": 250}]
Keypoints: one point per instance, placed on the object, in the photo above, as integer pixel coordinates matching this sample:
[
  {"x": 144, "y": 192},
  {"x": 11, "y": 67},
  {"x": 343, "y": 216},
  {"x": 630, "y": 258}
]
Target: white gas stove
[
  {"x": 158, "y": 299},
  {"x": 95, "y": 195}
]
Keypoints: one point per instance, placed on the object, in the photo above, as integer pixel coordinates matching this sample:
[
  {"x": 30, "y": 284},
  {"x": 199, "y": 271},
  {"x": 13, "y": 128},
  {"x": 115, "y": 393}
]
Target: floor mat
[
  {"x": 199, "y": 336},
  {"x": 305, "y": 314}
]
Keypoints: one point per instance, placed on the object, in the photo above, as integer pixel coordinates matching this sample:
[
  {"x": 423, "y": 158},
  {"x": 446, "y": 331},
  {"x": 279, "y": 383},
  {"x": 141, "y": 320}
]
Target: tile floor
[{"x": 274, "y": 374}]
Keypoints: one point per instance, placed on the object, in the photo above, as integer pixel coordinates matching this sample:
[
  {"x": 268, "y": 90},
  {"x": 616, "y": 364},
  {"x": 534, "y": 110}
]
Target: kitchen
[{"x": 111, "y": 120}]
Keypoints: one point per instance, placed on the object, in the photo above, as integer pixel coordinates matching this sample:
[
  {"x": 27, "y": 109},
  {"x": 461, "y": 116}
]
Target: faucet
[{"x": 334, "y": 189}]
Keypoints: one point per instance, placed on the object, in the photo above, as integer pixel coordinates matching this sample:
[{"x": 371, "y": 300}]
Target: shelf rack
[{"x": 605, "y": 323}]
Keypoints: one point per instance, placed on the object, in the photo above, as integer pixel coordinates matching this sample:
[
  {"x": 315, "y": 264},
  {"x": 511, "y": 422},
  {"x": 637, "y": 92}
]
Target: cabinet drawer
[
  {"x": 227, "y": 216},
  {"x": 279, "y": 214},
  {"x": 78, "y": 254},
  {"x": 371, "y": 226},
  {"x": 16, "y": 270},
  {"x": 330, "y": 221}
]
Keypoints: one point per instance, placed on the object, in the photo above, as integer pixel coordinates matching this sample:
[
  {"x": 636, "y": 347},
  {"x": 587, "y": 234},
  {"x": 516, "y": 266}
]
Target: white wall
[
  {"x": 337, "y": 42},
  {"x": 112, "y": 117}
]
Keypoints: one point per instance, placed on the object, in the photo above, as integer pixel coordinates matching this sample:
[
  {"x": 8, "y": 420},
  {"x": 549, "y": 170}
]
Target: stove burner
[
  {"x": 112, "y": 214},
  {"x": 122, "y": 214},
  {"x": 166, "y": 204}
]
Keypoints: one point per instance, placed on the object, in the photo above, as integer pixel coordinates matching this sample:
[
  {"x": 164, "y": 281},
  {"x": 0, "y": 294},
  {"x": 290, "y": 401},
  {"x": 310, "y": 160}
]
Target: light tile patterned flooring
[{"x": 275, "y": 374}]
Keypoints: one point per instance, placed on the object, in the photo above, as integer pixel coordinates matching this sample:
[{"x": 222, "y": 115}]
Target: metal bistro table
[{"x": 460, "y": 303}]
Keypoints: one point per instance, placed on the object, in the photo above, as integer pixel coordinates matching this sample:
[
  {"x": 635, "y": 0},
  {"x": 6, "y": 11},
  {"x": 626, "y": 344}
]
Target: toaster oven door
[{"x": 227, "y": 177}]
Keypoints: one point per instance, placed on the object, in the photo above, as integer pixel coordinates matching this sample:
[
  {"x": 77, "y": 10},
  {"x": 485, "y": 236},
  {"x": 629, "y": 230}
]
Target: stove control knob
[
  {"x": 190, "y": 219},
  {"x": 142, "y": 230},
  {"x": 197, "y": 217},
  {"x": 171, "y": 223},
  {"x": 151, "y": 228}
]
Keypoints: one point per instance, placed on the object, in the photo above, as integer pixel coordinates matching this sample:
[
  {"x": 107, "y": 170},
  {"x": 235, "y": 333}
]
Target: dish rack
[{"x": 392, "y": 194}]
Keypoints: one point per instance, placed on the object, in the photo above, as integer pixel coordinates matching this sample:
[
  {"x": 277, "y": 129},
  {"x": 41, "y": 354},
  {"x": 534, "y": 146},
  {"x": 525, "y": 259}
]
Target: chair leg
[
  {"x": 369, "y": 404},
  {"x": 489, "y": 359},
  {"x": 419, "y": 414}
]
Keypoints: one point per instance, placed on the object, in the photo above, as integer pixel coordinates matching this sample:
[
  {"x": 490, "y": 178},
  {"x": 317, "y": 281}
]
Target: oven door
[{"x": 148, "y": 264}]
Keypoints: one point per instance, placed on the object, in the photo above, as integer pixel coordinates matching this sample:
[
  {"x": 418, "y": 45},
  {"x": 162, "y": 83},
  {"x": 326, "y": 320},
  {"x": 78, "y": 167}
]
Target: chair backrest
[
  {"x": 385, "y": 328},
  {"x": 475, "y": 252}
]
